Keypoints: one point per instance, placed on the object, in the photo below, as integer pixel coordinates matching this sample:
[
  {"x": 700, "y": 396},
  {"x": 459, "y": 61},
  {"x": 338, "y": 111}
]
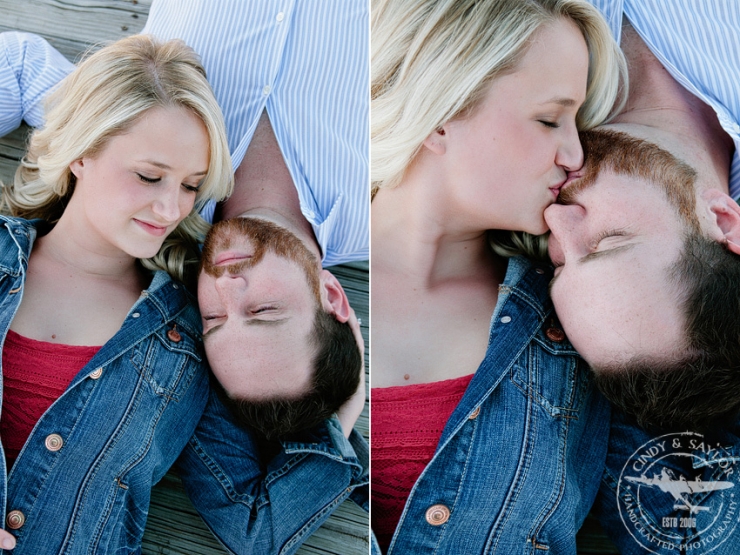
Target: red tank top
[
  {"x": 35, "y": 374},
  {"x": 407, "y": 422}
]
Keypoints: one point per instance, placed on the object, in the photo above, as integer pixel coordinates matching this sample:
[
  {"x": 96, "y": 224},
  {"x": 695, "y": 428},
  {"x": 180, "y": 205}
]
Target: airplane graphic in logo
[{"x": 680, "y": 487}]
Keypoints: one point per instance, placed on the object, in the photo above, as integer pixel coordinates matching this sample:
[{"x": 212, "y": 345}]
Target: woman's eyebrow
[
  {"x": 563, "y": 101},
  {"x": 164, "y": 166}
]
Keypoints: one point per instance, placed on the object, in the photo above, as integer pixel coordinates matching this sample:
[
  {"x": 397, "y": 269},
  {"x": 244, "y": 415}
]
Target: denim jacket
[
  {"x": 519, "y": 461},
  {"x": 82, "y": 482}
]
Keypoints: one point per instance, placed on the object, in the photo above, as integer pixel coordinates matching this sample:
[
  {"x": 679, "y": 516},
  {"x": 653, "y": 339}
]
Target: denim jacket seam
[
  {"x": 299, "y": 536},
  {"x": 517, "y": 482},
  {"x": 98, "y": 462},
  {"x": 221, "y": 476},
  {"x": 556, "y": 497}
]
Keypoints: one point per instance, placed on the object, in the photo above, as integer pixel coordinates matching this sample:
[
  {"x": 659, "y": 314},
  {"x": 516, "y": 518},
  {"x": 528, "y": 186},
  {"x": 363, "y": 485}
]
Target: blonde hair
[
  {"x": 432, "y": 61},
  {"x": 107, "y": 93}
]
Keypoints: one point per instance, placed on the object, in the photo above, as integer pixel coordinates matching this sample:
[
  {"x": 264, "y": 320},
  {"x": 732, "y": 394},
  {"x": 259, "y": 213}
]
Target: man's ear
[
  {"x": 333, "y": 298},
  {"x": 437, "y": 141},
  {"x": 725, "y": 218}
]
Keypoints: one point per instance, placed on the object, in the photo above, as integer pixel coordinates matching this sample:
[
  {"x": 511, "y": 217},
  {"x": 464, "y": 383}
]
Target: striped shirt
[
  {"x": 305, "y": 62},
  {"x": 698, "y": 42},
  {"x": 29, "y": 68}
]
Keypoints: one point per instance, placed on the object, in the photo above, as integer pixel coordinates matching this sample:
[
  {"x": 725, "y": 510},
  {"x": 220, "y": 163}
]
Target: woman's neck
[
  {"x": 414, "y": 234},
  {"x": 70, "y": 247}
]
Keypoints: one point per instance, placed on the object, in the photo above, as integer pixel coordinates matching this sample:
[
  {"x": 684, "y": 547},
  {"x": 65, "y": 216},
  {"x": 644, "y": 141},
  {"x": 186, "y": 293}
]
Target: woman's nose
[
  {"x": 167, "y": 205},
  {"x": 570, "y": 153}
]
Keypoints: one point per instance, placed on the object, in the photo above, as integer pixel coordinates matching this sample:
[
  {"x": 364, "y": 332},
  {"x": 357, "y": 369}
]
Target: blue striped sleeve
[{"x": 29, "y": 68}]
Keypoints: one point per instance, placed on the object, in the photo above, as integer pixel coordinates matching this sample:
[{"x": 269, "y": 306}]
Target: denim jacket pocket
[
  {"x": 168, "y": 360},
  {"x": 551, "y": 372}
]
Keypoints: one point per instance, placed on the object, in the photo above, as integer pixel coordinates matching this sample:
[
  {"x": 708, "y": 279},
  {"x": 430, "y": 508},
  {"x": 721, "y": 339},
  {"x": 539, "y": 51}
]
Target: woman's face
[
  {"x": 508, "y": 159},
  {"x": 141, "y": 185}
]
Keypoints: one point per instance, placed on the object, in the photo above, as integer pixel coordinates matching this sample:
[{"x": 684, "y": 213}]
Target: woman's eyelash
[
  {"x": 551, "y": 124},
  {"x": 149, "y": 179}
]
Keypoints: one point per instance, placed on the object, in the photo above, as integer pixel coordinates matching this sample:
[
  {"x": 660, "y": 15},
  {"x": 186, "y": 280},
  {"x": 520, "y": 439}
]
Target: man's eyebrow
[
  {"x": 250, "y": 322},
  {"x": 563, "y": 101},
  {"x": 262, "y": 322},
  {"x": 210, "y": 331}
]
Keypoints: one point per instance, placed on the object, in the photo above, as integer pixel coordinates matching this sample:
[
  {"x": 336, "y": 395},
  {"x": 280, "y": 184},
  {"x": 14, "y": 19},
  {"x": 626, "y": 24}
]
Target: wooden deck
[{"x": 173, "y": 527}]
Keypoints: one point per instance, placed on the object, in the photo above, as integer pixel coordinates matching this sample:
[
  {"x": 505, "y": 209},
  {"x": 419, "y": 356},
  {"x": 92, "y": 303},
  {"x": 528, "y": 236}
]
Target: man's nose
[
  {"x": 230, "y": 286},
  {"x": 563, "y": 219}
]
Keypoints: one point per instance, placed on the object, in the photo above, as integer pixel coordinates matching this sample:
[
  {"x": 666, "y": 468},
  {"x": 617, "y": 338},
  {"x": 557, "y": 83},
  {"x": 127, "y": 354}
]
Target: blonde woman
[
  {"x": 487, "y": 435},
  {"x": 104, "y": 378}
]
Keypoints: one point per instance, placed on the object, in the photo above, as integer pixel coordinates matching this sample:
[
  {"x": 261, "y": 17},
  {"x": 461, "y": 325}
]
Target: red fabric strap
[
  {"x": 407, "y": 422},
  {"x": 35, "y": 374}
]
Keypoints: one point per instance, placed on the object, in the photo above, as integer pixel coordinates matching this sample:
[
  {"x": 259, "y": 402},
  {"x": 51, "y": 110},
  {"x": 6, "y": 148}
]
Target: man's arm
[
  {"x": 255, "y": 501},
  {"x": 29, "y": 69}
]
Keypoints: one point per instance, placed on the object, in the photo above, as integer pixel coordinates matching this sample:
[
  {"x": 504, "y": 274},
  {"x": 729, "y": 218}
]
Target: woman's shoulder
[
  {"x": 174, "y": 301},
  {"x": 16, "y": 233}
]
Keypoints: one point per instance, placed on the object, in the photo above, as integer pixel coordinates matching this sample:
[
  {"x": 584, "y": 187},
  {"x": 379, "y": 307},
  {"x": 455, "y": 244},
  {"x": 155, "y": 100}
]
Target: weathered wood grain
[{"x": 173, "y": 526}]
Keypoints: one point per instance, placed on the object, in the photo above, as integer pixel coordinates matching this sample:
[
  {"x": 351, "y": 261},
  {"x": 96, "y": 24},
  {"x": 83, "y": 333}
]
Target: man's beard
[{"x": 264, "y": 237}]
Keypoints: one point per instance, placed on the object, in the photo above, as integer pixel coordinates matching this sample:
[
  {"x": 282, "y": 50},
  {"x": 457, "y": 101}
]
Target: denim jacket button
[
  {"x": 54, "y": 442},
  {"x": 174, "y": 335},
  {"x": 15, "y": 520},
  {"x": 474, "y": 414},
  {"x": 95, "y": 374},
  {"x": 437, "y": 515},
  {"x": 555, "y": 334}
]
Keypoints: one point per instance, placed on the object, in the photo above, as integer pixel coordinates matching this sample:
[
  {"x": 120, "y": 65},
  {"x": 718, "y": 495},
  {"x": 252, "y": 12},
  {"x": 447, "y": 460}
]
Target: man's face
[
  {"x": 258, "y": 291},
  {"x": 614, "y": 243}
]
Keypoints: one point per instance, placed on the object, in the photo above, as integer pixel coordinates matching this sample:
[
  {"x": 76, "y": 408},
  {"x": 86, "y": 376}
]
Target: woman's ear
[
  {"x": 76, "y": 167},
  {"x": 724, "y": 219},
  {"x": 437, "y": 141},
  {"x": 333, "y": 298}
]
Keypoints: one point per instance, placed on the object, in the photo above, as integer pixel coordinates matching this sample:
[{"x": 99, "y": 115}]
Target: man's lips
[
  {"x": 230, "y": 257},
  {"x": 572, "y": 176}
]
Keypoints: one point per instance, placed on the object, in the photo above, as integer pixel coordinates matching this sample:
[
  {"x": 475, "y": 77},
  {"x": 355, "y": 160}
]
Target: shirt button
[
  {"x": 555, "y": 334},
  {"x": 280, "y": 17},
  {"x": 506, "y": 319},
  {"x": 95, "y": 374},
  {"x": 474, "y": 414},
  {"x": 54, "y": 442},
  {"x": 135, "y": 315},
  {"x": 437, "y": 515},
  {"x": 539, "y": 271},
  {"x": 266, "y": 90},
  {"x": 15, "y": 520}
]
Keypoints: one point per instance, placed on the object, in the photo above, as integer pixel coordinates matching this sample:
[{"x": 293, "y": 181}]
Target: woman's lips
[{"x": 152, "y": 229}]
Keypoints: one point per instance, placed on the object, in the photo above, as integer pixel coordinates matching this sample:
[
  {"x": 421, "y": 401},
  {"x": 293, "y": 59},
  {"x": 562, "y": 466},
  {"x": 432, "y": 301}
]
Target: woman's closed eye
[{"x": 146, "y": 179}]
